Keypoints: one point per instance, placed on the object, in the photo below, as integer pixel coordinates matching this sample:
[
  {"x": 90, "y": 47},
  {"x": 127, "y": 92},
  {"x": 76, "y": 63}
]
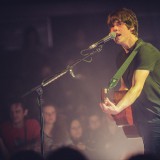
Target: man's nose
[{"x": 114, "y": 28}]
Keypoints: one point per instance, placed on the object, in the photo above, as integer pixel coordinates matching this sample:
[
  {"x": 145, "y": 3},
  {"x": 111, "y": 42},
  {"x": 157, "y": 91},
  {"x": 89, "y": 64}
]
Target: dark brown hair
[{"x": 124, "y": 15}]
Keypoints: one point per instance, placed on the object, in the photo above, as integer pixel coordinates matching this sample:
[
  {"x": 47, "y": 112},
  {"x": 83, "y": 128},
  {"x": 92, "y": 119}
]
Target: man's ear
[
  {"x": 132, "y": 29},
  {"x": 26, "y": 112}
]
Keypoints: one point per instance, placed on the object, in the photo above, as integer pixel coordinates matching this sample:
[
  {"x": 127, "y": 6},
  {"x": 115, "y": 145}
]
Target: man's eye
[{"x": 119, "y": 23}]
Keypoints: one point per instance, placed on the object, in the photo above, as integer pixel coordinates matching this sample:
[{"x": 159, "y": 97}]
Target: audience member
[
  {"x": 78, "y": 136},
  {"x": 55, "y": 131},
  {"x": 20, "y": 132},
  {"x": 97, "y": 135}
]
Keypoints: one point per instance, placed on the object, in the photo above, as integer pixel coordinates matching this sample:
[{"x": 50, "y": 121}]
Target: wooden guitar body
[{"x": 125, "y": 117}]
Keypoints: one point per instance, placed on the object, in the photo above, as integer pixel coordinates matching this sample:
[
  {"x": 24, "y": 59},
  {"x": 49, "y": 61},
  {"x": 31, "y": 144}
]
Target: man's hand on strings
[{"x": 109, "y": 107}]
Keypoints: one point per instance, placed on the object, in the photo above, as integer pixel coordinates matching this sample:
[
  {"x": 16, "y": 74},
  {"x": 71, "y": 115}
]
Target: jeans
[{"x": 150, "y": 133}]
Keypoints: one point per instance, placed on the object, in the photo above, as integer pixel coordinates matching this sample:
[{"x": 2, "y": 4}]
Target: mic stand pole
[
  {"x": 39, "y": 88},
  {"x": 40, "y": 103}
]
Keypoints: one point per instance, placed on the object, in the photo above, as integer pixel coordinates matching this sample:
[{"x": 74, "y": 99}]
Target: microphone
[{"x": 110, "y": 36}]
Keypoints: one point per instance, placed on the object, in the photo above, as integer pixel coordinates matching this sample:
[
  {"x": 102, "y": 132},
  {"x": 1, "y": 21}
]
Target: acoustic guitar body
[{"x": 124, "y": 119}]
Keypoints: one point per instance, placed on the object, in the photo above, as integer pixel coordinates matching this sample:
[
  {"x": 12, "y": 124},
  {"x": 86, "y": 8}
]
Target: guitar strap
[{"x": 114, "y": 81}]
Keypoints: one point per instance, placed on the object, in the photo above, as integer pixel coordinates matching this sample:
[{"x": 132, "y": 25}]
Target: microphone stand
[{"x": 39, "y": 88}]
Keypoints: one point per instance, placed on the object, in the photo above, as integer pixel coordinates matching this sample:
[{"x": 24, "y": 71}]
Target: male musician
[{"x": 142, "y": 79}]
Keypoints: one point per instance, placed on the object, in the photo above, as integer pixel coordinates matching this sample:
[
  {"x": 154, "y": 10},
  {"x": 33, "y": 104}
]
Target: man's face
[
  {"x": 49, "y": 114},
  {"x": 123, "y": 34},
  {"x": 17, "y": 113}
]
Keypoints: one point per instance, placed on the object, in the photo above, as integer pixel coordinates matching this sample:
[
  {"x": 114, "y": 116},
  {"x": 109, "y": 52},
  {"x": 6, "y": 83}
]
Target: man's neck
[
  {"x": 18, "y": 125},
  {"x": 130, "y": 43}
]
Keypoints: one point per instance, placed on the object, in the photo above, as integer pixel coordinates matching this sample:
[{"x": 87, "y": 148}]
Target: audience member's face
[
  {"x": 76, "y": 129},
  {"x": 49, "y": 114},
  {"x": 94, "y": 122},
  {"x": 17, "y": 113}
]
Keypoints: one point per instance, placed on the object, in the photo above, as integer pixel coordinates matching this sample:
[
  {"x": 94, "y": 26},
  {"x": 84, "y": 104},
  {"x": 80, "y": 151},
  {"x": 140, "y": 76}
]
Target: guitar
[{"x": 124, "y": 119}]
